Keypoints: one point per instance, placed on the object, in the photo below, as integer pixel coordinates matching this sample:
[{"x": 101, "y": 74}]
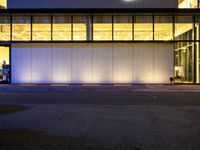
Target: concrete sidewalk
[{"x": 92, "y": 87}]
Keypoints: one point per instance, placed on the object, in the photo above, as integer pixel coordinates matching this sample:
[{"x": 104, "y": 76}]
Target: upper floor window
[
  {"x": 187, "y": 3},
  {"x": 3, "y": 4}
]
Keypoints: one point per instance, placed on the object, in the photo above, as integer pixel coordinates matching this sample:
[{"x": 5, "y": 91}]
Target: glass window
[
  {"x": 80, "y": 28},
  {"x": 187, "y": 3},
  {"x": 41, "y": 28},
  {"x": 123, "y": 28},
  {"x": 21, "y": 28},
  {"x": 197, "y": 26},
  {"x": 62, "y": 28},
  {"x": 143, "y": 28},
  {"x": 184, "y": 62},
  {"x": 163, "y": 28},
  {"x": 4, "y": 64},
  {"x": 4, "y": 28},
  {"x": 3, "y": 4},
  {"x": 184, "y": 28},
  {"x": 102, "y": 28}
]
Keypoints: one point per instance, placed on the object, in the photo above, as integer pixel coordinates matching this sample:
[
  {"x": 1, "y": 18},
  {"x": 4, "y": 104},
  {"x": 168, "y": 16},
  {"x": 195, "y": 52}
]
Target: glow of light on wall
[
  {"x": 82, "y": 71},
  {"x": 161, "y": 76},
  {"x": 25, "y": 78},
  {"x": 61, "y": 78},
  {"x": 124, "y": 77}
]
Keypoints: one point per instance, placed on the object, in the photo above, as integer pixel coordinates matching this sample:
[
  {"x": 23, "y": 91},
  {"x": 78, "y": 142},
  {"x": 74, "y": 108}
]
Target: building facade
[{"x": 105, "y": 42}]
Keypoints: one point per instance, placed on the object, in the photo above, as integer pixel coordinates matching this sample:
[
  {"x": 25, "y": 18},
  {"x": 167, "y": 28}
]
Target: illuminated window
[
  {"x": 197, "y": 48},
  {"x": 3, "y": 4},
  {"x": 4, "y": 64},
  {"x": 184, "y": 28},
  {"x": 163, "y": 28},
  {"x": 187, "y": 3},
  {"x": 62, "y": 28},
  {"x": 41, "y": 28},
  {"x": 4, "y": 28},
  {"x": 80, "y": 25},
  {"x": 102, "y": 28},
  {"x": 184, "y": 62},
  {"x": 21, "y": 28},
  {"x": 143, "y": 28},
  {"x": 123, "y": 28}
]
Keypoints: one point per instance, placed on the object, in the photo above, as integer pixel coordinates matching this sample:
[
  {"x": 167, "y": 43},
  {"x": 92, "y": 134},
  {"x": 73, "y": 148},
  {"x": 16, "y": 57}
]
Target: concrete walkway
[{"x": 92, "y": 87}]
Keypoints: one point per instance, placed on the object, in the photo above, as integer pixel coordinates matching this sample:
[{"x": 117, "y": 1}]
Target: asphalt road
[
  {"x": 101, "y": 98},
  {"x": 112, "y": 120}
]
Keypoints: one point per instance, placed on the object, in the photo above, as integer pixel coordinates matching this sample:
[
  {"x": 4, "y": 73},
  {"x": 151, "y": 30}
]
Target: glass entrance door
[{"x": 4, "y": 64}]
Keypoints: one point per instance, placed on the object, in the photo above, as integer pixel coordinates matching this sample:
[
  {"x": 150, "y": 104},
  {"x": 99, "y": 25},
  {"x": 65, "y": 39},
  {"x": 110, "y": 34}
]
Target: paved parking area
[{"x": 114, "y": 120}]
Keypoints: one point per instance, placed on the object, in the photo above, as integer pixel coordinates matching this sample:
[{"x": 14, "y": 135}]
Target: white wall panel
[
  {"x": 21, "y": 63},
  {"x": 102, "y": 63},
  {"x": 143, "y": 63},
  {"x": 163, "y": 63},
  {"x": 61, "y": 63},
  {"x": 41, "y": 63},
  {"x": 122, "y": 63},
  {"x": 82, "y": 63},
  {"x": 138, "y": 63}
]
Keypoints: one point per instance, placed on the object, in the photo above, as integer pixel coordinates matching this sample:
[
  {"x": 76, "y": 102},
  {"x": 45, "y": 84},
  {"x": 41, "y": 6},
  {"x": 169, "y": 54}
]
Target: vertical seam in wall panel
[
  {"x": 132, "y": 47},
  {"x": 112, "y": 63},
  {"x": 51, "y": 62},
  {"x": 71, "y": 45},
  {"x": 92, "y": 59},
  {"x": 31, "y": 47},
  {"x": 153, "y": 62}
]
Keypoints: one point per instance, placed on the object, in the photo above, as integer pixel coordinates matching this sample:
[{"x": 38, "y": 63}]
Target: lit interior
[
  {"x": 143, "y": 31},
  {"x": 102, "y": 28},
  {"x": 123, "y": 31},
  {"x": 187, "y": 3},
  {"x": 62, "y": 27},
  {"x": 79, "y": 32},
  {"x": 102, "y": 31},
  {"x": 21, "y": 32},
  {"x": 5, "y": 32},
  {"x": 163, "y": 31},
  {"x": 62, "y": 32},
  {"x": 3, "y": 3},
  {"x": 4, "y": 64},
  {"x": 41, "y": 28},
  {"x": 181, "y": 28},
  {"x": 42, "y": 32},
  {"x": 4, "y": 56}
]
